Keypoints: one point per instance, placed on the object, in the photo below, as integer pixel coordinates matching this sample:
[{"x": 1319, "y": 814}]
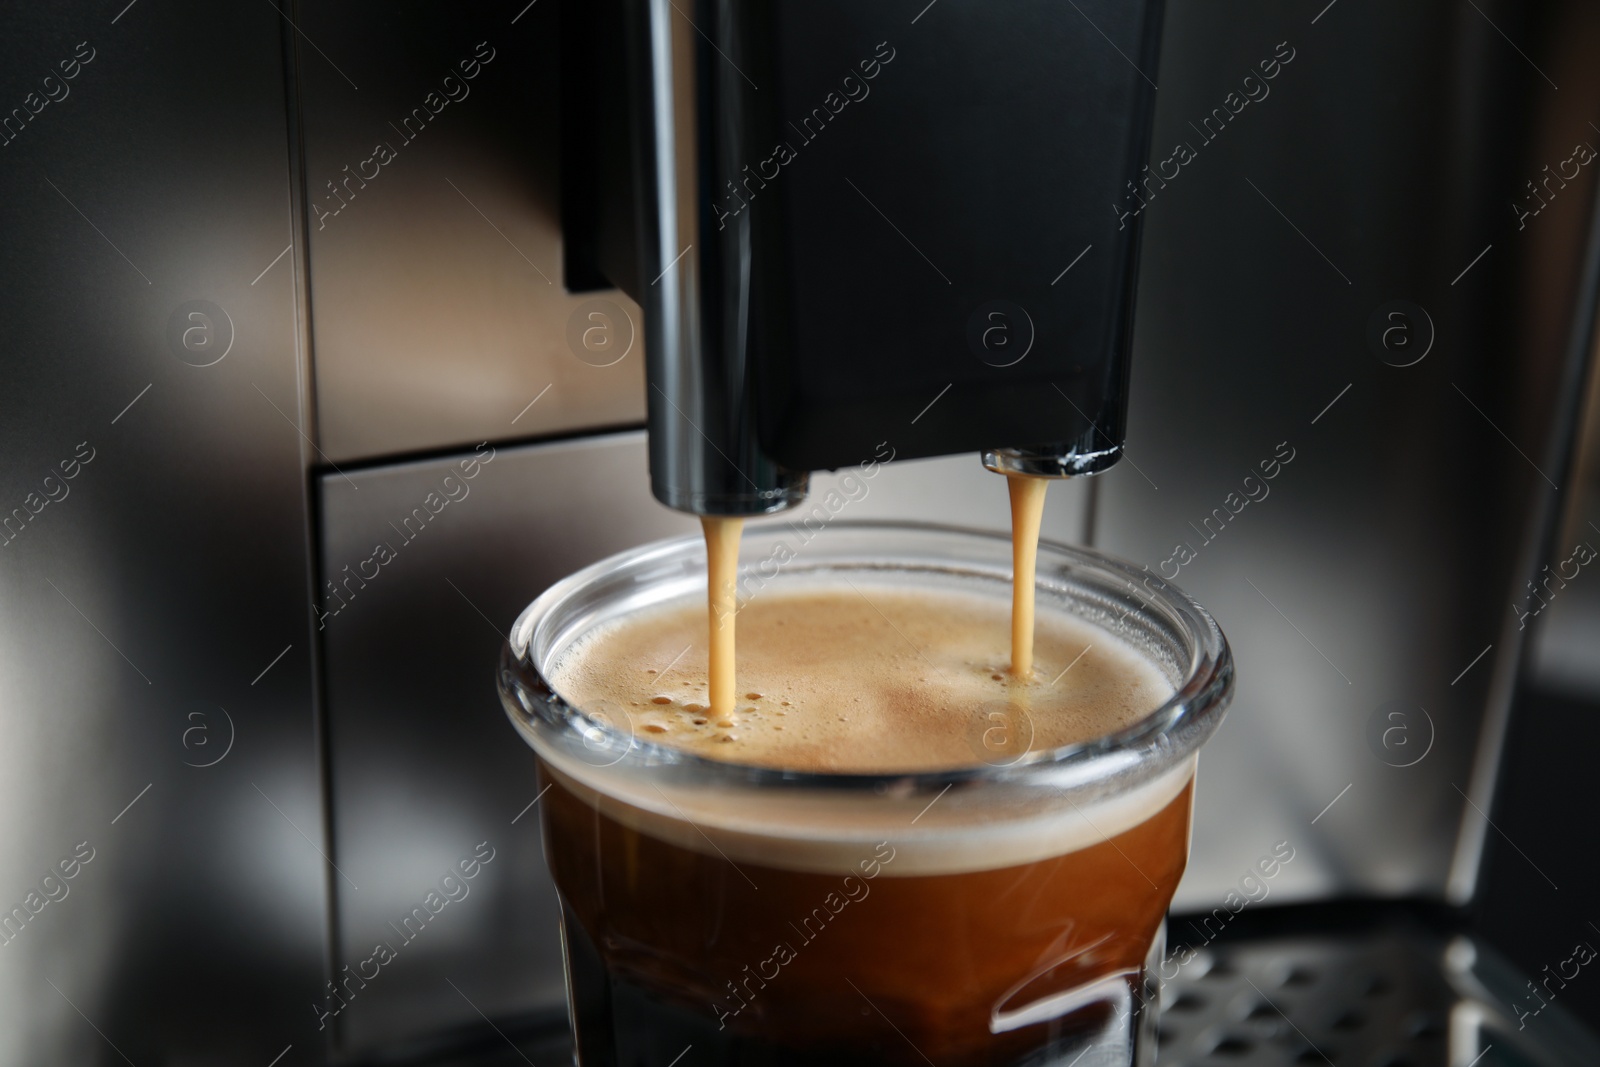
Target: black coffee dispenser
[{"x": 848, "y": 246}]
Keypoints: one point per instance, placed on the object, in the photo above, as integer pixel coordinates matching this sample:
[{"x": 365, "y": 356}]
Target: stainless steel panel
[
  {"x": 439, "y": 309},
  {"x": 155, "y": 668},
  {"x": 424, "y": 765},
  {"x": 1388, "y": 557}
]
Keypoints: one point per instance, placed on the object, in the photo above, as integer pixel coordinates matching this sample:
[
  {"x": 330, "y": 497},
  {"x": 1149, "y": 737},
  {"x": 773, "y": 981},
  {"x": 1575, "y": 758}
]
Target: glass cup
[{"x": 1011, "y": 911}]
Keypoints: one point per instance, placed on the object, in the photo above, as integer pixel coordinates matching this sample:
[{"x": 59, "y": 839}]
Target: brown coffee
[
  {"x": 791, "y": 934},
  {"x": 877, "y": 961},
  {"x": 722, "y": 602},
  {"x": 1027, "y": 515}
]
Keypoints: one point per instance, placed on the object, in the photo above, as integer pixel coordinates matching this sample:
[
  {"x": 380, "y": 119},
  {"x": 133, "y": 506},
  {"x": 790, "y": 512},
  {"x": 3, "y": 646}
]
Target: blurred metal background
[
  {"x": 156, "y": 656},
  {"x": 168, "y": 603},
  {"x": 1389, "y": 553}
]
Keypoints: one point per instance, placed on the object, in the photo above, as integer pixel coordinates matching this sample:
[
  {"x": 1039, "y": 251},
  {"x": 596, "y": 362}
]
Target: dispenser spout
[
  {"x": 1050, "y": 461},
  {"x": 695, "y": 125}
]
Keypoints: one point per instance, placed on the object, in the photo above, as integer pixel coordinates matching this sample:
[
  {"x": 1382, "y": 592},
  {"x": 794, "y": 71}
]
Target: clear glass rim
[{"x": 1179, "y": 725}]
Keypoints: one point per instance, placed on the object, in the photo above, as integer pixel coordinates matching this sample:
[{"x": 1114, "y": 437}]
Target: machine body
[{"x": 845, "y": 242}]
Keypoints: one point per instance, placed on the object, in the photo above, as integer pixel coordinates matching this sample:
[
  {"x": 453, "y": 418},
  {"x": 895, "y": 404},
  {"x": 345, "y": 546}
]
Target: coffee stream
[
  {"x": 1027, "y": 514},
  {"x": 722, "y": 577},
  {"x": 722, "y": 588}
]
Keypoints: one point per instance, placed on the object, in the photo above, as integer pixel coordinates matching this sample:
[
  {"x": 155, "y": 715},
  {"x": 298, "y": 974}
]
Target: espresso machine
[{"x": 336, "y": 333}]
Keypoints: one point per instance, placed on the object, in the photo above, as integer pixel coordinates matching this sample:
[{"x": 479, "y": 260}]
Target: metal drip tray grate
[
  {"x": 1378, "y": 1002},
  {"x": 1396, "y": 994}
]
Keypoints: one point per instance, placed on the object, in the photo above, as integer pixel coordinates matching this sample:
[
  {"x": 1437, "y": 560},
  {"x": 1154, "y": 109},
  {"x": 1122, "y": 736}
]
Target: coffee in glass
[{"x": 893, "y": 850}]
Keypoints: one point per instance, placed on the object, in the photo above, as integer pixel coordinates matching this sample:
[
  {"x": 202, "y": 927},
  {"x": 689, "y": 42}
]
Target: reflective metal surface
[
  {"x": 692, "y": 128},
  {"x": 162, "y": 890},
  {"x": 1359, "y": 508},
  {"x": 439, "y": 311},
  {"x": 1389, "y": 993},
  {"x": 423, "y": 766}
]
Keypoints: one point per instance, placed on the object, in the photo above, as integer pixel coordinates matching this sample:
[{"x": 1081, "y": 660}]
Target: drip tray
[
  {"x": 1381, "y": 1001},
  {"x": 1341, "y": 986},
  {"x": 1397, "y": 993}
]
